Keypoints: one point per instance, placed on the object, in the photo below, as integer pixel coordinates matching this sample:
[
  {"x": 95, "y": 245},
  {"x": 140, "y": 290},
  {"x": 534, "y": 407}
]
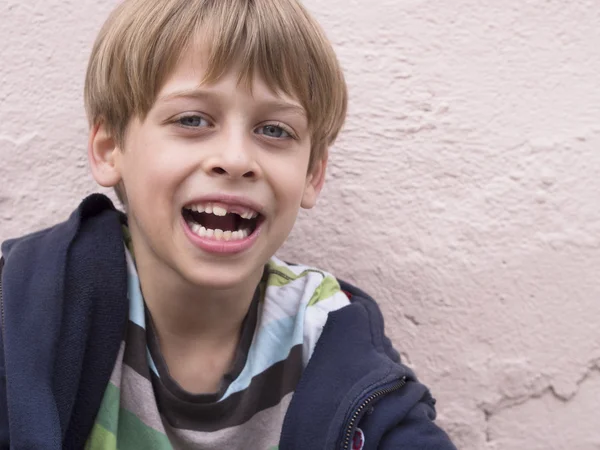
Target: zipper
[{"x": 348, "y": 434}]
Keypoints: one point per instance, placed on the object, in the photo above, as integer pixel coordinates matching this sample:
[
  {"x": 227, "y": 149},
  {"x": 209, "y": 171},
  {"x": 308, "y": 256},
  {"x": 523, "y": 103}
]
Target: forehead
[{"x": 193, "y": 72}]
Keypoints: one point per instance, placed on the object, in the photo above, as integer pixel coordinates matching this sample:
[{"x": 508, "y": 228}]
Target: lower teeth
[{"x": 219, "y": 235}]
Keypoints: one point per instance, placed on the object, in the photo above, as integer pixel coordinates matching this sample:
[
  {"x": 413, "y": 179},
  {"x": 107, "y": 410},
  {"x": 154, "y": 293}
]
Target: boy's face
[{"x": 214, "y": 148}]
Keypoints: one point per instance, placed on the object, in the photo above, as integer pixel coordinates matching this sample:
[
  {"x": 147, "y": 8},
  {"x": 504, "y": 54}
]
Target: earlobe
[
  {"x": 314, "y": 183},
  {"x": 103, "y": 155}
]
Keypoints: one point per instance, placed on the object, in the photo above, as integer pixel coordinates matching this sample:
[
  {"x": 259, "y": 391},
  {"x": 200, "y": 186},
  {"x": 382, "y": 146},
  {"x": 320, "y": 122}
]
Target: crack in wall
[
  {"x": 507, "y": 402},
  {"x": 18, "y": 140},
  {"x": 412, "y": 319}
]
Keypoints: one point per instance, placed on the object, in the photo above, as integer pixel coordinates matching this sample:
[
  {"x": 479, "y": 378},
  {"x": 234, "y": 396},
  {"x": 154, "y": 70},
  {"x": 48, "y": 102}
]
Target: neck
[
  {"x": 198, "y": 327},
  {"x": 187, "y": 313}
]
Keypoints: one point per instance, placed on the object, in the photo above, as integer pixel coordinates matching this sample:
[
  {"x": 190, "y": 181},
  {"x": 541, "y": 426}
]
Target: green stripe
[
  {"x": 117, "y": 425},
  {"x": 134, "y": 434},
  {"x": 101, "y": 439},
  {"x": 281, "y": 275},
  {"x": 108, "y": 415},
  {"x": 328, "y": 287}
]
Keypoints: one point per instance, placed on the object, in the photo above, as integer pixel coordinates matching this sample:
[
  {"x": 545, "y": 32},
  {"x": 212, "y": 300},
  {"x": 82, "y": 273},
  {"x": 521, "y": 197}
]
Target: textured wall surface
[{"x": 464, "y": 193}]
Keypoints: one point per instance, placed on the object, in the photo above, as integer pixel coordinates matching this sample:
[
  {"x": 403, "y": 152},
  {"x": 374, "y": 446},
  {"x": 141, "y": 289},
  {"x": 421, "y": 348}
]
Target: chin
[{"x": 223, "y": 277}]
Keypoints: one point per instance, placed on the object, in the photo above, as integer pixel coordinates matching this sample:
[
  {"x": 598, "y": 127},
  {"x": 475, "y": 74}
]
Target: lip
[
  {"x": 225, "y": 247},
  {"x": 229, "y": 200}
]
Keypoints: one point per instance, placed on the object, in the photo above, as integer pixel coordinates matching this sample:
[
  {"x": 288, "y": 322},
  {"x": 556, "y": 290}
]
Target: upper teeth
[
  {"x": 249, "y": 214},
  {"x": 217, "y": 210}
]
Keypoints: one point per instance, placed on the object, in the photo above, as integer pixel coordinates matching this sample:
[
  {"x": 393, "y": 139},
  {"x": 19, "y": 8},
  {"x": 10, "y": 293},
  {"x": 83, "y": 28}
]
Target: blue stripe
[
  {"x": 136, "y": 302},
  {"x": 137, "y": 313},
  {"x": 151, "y": 362},
  {"x": 271, "y": 345}
]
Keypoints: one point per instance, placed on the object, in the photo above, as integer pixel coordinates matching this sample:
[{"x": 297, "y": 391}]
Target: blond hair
[{"x": 142, "y": 40}]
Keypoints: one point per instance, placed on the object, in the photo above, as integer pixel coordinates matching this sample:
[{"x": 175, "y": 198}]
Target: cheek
[
  {"x": 289, "y": 176},
  {"x": 152, "y": 180},
  {"x": 291, "y": 186},
  {"x": 155, "y": 166}
]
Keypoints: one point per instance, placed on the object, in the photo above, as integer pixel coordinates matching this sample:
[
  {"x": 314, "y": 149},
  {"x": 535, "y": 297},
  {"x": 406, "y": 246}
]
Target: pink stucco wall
[{"x": 464, "y": 193}]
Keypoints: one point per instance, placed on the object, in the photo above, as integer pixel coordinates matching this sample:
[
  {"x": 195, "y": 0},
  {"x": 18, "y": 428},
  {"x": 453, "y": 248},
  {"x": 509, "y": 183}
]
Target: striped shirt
[{"x": 144, "y": 408}]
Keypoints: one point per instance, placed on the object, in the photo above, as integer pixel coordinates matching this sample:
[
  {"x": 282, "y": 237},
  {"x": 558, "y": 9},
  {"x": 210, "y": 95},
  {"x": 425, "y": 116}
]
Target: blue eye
[
  {"x": 193, "y": 121},
  {"x": 273, "y": 131}
]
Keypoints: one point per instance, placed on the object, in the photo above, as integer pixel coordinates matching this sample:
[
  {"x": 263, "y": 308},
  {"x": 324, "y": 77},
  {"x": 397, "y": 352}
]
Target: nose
[
  {"x": 233, "y": 158},
  {"x": 232, "y": 172}
]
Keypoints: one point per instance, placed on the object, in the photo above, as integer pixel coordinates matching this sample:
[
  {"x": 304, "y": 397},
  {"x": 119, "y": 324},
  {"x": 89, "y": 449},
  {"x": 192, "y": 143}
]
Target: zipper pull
[{"x": 358, "y": 413}]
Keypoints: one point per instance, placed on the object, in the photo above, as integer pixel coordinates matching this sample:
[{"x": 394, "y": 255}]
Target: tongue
[{"x": 225, "y": 223}]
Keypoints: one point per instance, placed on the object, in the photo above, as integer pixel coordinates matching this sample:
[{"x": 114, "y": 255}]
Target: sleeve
[
  {"x": 417, "y": 431},
  {"x": 404, "y": 420},
  {"x": 4, "y": 436}
]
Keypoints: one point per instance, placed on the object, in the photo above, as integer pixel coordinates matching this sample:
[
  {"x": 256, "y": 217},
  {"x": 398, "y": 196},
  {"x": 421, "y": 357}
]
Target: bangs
[{"x": 276, "y": 40}]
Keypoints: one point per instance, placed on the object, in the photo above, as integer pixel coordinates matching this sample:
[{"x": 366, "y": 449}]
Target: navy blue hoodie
[{"x": 63, "y": 305}]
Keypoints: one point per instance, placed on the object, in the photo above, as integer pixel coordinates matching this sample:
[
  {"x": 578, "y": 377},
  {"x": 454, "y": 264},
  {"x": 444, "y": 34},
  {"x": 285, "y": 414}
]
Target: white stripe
[{"x": 286, "y": 301}]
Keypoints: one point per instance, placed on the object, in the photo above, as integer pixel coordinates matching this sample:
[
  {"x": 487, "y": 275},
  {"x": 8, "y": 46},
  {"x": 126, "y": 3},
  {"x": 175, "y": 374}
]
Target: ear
[
  {"x": 314, "y": 182},
  {"x": 103, "y": 155}
]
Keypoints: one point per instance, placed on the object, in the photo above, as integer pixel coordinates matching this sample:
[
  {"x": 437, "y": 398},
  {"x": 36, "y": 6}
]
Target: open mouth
[{"x": 221, "y": 222}]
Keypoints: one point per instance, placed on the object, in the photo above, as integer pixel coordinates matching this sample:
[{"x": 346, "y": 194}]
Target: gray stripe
[
  {"x": 261, "y": 432},
  {"x": 137, "y": 397},
  {"x": 115, "y": 376}
]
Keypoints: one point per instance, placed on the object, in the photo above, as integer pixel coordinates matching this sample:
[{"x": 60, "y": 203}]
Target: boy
[{"x": 173, "y": 325}]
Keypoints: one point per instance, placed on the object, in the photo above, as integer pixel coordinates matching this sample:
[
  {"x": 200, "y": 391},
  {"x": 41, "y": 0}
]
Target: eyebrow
[{"x": 198, "y": 94}]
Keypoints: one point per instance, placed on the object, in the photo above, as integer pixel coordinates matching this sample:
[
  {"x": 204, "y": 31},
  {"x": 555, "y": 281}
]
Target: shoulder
[
  {"x": 316, "y": 285},
  {"x": 35, "y": 247},
  {"x": 353, "y": 304},
  {"x": 321, "y": 283},
  {"x": 47, "y": 267},
  {"x": 359, "y": 297}
]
